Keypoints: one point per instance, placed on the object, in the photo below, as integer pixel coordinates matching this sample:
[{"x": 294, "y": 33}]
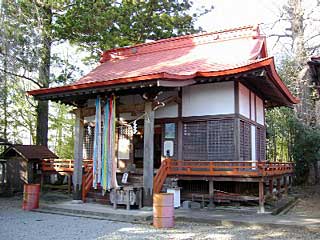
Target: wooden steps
[{"x": 95, "y": 196}]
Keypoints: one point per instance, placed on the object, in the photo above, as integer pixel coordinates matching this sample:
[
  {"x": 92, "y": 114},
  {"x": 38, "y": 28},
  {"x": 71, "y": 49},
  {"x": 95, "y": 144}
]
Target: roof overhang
[{"x": 275, "y": 90}]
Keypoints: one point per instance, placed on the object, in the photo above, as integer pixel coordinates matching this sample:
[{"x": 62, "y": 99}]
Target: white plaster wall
[
  {"x": 168, "y": 111},
  {"x": 131, "y": 99},
  {"x": 253, "y": 107},
  {"x": 208, "y": 99},
  {"x": 171, "y": 109},
  {"x": 260, "y": 111},
  {"x": 244, "y": 101},
  {"x": 90, "y": 118}
]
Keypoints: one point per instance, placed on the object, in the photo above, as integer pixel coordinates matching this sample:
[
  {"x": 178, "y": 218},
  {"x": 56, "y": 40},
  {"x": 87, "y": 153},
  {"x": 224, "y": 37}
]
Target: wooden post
[
  {"x": 180, "y": 127},
  {"x": 279, "y": 187},
  {"x": 236, "y": 122},
  {"x": 261, "y": 196},
  {"x": 69, "y": 183},
  {"x": 148, "y": 154},
  {"x": 41, "y": 181},
  {"x": 211, "y": 194},
  {"x": 128, "y": 199},
  {"x": 285, "y": 184},
  {"x": 271, "y": 186},
  {"x": 78, "y": 155},
  {"x": 290, "y": 182}
]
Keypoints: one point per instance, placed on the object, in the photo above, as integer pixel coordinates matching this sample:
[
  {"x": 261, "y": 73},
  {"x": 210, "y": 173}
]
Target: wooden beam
[
  {"x": 148, "y": 154},
  {"x": 78, "y": 154}
]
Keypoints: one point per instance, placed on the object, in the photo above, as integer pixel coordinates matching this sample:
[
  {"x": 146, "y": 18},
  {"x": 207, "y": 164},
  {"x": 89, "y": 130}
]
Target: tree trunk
[
  {"x": 44, "y": 76},
  {"x": 305, "y": 109},
  {"x": 5, "y": 95}
]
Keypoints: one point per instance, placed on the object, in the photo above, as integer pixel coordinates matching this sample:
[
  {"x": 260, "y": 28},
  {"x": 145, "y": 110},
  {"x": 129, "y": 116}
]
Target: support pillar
[
  {"x": 290, "y": 182},
  {"x": 211, "y": 194},
  {"x": 271, "y": 187},
  {"x": 279, "y": 187},
  {"x": 69, "y": 183},
  {"x": 180, "y": 127},
  {"x": 285, "y": 184},
  {"x": 261, "y": 196},
  {"x": 78, "y": 155},
  {"x": 148, "y": 154},
  {"x": 237, "y": 154}
]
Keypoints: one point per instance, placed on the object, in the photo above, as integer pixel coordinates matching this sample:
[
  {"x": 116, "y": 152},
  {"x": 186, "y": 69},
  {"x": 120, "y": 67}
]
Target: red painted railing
[
  {"x": 87, "y": 180},
  {"x": 67, "y": 166},
  {"x": 60, "y": 165},
  {"x": 219, "y": 168},
  {"x": 161, "y": 176}
]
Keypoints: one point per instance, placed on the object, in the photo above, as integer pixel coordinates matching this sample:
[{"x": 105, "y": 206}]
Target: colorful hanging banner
[
  {"x": 109, "y": 161},
  {"x": 105, "y": 146},
  {"x": 97, "y": 145}
]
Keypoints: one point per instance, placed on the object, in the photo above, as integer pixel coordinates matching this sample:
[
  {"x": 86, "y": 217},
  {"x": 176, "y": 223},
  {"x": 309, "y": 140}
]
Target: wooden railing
[
  {"x": 87, "y": 180},
  {"x": 228, "y": 168},
  {"x": 60, "y": 165},
  {"x": 220, "y": 168},
  {"x": 67, "y": 166},
  {"x": 161, "y": 176}
]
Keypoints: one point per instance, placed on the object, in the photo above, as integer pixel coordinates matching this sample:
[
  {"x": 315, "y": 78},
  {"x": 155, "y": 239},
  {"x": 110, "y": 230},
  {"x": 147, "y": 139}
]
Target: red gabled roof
[{"x": 201, "y": 55}]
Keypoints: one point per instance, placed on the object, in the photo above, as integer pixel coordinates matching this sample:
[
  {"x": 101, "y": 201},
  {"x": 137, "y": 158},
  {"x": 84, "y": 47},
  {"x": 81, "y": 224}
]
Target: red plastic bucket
[{"x": 31, "y": 195}]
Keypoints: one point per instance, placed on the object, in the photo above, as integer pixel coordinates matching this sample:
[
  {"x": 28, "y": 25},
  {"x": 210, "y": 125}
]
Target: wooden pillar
[
  {"x": 271, "y": 186},
  {"x": 285, "y": 184},
  {"x": 148, "y": 154},
  {"x": 211, "y": 194},
  {"x": 279, "y": 187},
  {"x": 236, "y": 122},
  {"x": 41, "y": 181},
  {"x": 290, "y": 182},
  {"x": 261, "y": 196},
  {"x": 78, "y": 154},
  {"x": 180, "y": 128},
  {"x": 69, "y": 183}
]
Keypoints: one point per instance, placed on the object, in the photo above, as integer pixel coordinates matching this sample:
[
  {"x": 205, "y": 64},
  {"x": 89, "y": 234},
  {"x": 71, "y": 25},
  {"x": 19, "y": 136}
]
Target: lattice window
[
  {"x": 88, "y": 140},
  {"x": 258, "y": 143},
  {"x": 263, "y": 144},
  {"x": 245, "y": 145},
  {"x": 195, "y": 141},
  {"x": 209, "y": 140},
  {"x": 221, "y": 140}
]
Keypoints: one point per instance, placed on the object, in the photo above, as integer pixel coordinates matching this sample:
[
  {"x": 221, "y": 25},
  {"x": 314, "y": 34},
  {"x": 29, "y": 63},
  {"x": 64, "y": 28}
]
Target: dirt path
[{"x": 309, "y": 201}]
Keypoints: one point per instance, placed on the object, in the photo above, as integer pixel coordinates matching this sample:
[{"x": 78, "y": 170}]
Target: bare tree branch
[
  {"x": 313, "y": 49},
  {"x": 312, "y": 37},
  {"x": 22, "y": 76},
  {"x": 280, "y": 35}
]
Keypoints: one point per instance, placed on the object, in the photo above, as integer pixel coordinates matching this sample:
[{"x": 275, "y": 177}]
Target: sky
[
  {"x": 231, "y": 13},
  {"x": 226, "y": 14}
]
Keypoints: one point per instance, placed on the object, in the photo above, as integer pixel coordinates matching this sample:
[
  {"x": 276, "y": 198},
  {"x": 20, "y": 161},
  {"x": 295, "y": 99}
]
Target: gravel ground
[{"x": 17, "y": 224}]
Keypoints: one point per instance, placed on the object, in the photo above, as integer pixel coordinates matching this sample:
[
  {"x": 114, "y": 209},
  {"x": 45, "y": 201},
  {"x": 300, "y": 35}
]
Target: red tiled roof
[
  {"x": 208, "y": 54},
  {"x": 31, "y": 151}
]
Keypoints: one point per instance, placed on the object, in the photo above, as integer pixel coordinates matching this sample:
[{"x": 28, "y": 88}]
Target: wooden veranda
[{"x": 250, "y": 171}]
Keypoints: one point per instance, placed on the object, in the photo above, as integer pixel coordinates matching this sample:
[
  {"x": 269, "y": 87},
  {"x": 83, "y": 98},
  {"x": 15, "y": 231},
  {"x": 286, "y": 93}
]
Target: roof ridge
[{"x": 177, "y": 42}]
